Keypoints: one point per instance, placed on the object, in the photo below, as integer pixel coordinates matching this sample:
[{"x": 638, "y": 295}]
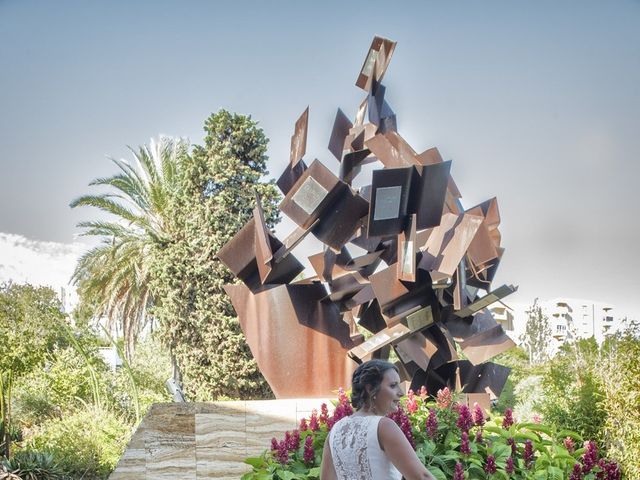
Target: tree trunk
[
  {"x": 177, "y": 374},
  {"x": 3, "y": 430},
  {"x": 5, "y": 407}
]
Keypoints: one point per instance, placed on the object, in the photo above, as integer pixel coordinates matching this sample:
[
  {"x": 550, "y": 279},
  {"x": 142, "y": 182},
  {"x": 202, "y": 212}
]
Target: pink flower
[
  {"x": 282, "y": 453},
  {"x": 432, "y": 424},
  {"x": 292, "y": 440},
  {"x": 508, "y": 419},
  {"x": 342, "y": 410},
  {"x": 314, "y": 425},
  {"x": 569, "y": 444},
  {"x": 412, "y": 404},
  {"x": 509, "y": 468},
  {"x": 405, "y": 425},
  {"x": 309, "y": 455},
  {"x": 342, "y": 397},
  {"x": 576, "y": 473},
  {"x": 303, "y": 425},
  {"x": 324, "y": 413},
  {"x": 330, "y": 423},
  {"x": 537, "y": 419},
  {"x": 490, "y": 467},
  {"x": 478, "y": 415},
  {"x": 590, "y": 457},
  {"x": 459, "y": 472},
  {"x": 609, "y": 470},
  {"x": 464, "y": 444},
  {"x": 465, "y": 421},
  {"x": 444, "y": 398}
]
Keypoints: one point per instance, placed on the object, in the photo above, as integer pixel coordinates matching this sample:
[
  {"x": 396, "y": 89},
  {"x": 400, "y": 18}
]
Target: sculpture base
[{"x": 207, "y": 440}]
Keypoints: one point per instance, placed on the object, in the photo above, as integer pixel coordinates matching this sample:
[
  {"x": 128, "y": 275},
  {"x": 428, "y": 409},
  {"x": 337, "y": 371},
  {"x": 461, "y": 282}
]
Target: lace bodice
[{"x": 356, "y": 452}]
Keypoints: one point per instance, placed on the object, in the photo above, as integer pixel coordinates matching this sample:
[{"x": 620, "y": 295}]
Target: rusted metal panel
[
  {"x": 299, "y": 138},
  {"x": 289, "y": 329}
]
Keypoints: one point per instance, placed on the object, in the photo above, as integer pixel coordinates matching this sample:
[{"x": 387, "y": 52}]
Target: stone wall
[{"x": 207, "y": 440}]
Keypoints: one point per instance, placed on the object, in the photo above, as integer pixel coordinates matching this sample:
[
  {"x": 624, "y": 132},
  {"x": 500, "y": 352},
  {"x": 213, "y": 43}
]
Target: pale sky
[{"x": 537, "y": 103}]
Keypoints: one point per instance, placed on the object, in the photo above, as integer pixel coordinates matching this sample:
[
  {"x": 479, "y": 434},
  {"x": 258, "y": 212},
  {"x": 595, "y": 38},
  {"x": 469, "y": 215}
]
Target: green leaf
[
  {"x": 554, "y": 473},
  {"x": 536, "y": 427},
  {"x": 534, "y": 437},
  {"x": 261, "y": 475},
  {"x": 501, "y": 452},
  {"x": 255, "y": 462},
  {"x": 475, "y": 471},
  {"x": 502, "y": 474},
  {"x": 436, "y": 472},
  {"x": 286, "y": 475},
  {"x": 562, "y": 434},
  {"x": 490, "y": 428}
]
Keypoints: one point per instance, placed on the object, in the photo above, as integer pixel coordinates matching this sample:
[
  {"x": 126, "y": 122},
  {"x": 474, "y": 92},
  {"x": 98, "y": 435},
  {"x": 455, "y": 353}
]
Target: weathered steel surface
[
  {"x": 299, "y": 341},
  {"x": 419, "y": 280}
]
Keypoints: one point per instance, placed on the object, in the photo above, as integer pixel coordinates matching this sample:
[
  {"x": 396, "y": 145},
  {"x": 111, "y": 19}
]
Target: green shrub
[
  {"x": 622, "y": 402},
  {"x": 574, "y": 392},
  {"x": 61, "y": 385},
  {"x": 31, "y": 401},
  {"x": 528, "y": 394},
  {"x": 513, "y": 394},
  {"x": 68, "y": 377},
  {"x": 151, "y": 367},
  {"x": 87, "y": 443}
]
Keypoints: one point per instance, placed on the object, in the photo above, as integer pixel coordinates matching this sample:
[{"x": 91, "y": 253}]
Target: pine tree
[{"x": 215, "y": 198}]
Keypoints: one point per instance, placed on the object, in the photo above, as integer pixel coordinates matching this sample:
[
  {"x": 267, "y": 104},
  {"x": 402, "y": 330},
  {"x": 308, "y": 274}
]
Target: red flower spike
[
  {"x": 432, "y": 424},
  {"x": 308, "y": 455},
  {"x": 490, "y": 467},
  {"x": 459, "y": 472},
  {"x": 464, "y": 444},
  {"x": 509, "y": 467},
  {"x": 508, "y": 419},
  {"x": 465, "y": 421},
  {"x": 478, "y": 415}
]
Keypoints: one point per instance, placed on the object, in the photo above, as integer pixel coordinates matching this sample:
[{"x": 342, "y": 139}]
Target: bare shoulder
[
  {"x": 388, "y": 427},
  {"x": 388, "y": 432}
]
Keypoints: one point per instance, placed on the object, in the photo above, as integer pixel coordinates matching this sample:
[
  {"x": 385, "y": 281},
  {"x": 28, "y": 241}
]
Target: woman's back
[{"x": 356, "y": 451}]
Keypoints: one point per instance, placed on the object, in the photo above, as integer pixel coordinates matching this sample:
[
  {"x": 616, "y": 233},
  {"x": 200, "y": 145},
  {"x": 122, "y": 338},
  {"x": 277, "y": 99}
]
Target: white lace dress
[{"x": 356, "y": 451}]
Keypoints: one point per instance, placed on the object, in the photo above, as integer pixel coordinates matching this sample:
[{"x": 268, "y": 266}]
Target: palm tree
[{"x": 115, "y": 276}]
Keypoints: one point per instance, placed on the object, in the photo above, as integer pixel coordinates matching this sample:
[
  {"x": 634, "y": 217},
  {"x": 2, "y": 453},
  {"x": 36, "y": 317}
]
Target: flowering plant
[{"x": 452, "y": 440}]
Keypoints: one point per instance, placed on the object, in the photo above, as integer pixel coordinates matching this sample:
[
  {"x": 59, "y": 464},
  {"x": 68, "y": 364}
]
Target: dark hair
[{"x": 368, "y": 373}]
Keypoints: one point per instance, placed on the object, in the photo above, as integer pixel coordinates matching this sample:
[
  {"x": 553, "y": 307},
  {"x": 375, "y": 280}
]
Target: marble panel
[
  {"x": 171, "y": 457},
  {"x": 266, "y": 419},
  {"x": 132, "y": 465},
  {"x": 225, "y": 464}
]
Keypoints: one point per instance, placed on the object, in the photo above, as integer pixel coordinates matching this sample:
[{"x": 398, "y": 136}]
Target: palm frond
[
  {"x": 105, "y": 203},
  {"x": 116, "y": 274}
]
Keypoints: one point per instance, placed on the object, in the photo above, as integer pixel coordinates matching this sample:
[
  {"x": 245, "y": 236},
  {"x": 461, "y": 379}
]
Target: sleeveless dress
[{"x": 356, "y": 451}]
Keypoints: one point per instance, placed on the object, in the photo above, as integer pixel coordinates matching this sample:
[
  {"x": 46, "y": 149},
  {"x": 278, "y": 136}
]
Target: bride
[{"x": 367, "y": 445}]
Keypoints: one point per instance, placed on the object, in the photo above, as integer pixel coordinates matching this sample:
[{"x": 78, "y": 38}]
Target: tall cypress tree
[{"x": 214, "y": 199}]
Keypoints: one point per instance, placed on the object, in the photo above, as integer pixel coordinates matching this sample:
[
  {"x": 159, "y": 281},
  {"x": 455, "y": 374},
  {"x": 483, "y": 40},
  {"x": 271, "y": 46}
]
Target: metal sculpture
[{"x": 415, "y": 285}]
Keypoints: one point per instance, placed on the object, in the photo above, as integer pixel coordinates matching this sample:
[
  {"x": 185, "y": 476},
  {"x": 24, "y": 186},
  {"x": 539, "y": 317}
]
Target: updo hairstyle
[{"x": 368, "y": 373}]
